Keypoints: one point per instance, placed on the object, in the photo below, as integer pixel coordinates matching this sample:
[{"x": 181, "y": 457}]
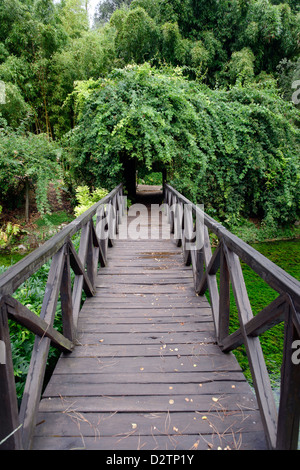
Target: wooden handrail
[
  {"x": 282, "y": 428},
  {"x": 17, "y": 427}
]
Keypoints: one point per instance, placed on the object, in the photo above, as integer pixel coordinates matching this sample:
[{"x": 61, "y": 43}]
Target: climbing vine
[{"x": 236, "y": 151}]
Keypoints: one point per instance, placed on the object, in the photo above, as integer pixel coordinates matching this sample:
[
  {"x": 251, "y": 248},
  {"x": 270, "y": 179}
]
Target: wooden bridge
[{"x": 146, "y": 361}]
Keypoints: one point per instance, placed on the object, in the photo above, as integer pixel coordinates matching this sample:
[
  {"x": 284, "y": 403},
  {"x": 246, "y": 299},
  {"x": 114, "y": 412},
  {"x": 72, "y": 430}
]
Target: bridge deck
[{"x": 147, "y": 373}]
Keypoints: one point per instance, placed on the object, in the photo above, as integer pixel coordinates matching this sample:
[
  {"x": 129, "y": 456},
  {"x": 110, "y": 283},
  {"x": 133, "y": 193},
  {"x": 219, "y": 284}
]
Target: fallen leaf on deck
[{"x": 195, "y": 445}]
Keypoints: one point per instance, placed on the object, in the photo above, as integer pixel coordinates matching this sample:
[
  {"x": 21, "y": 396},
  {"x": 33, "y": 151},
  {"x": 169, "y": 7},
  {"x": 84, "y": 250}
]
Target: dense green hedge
[{"x": 236, "y": 151}]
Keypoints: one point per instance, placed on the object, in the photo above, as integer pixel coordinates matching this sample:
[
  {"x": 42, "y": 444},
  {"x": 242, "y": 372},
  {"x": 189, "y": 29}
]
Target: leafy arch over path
[{"x": 236, "y": 151}]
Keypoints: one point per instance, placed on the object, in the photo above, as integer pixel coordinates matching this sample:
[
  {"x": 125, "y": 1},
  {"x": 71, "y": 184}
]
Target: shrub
[{"x": 235, "y": 151}]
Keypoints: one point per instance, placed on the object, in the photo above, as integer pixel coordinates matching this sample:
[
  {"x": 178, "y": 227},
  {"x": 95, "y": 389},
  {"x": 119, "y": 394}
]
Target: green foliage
[
  {"x": 235, "y": 151},
  {"x": 87, "y": 198},
  {"x": 153, "y": 178},
  {"x": 137, "y": 27},
  {"x": 8, "y": 232},
  {"x": 27, "y": 158},
  {"x": 241, "y": 67}
]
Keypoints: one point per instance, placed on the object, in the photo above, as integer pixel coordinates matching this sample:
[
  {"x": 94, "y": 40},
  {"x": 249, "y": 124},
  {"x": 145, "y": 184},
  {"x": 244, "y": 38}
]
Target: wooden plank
[
  {"x": 143, "y": 350},
  {"x": 152, "y": 378},
  {"x": 150, "y": 404},
  {"x": 147, "y": 338},
  {"x": 155, "y": 302},
  {"x": 143, "y": 365},
  {"x": 135, "y": 317},
  {"x": 139, "y": 311},
  {"x": 105, "y": 425},
  {"x": 246, "y": 441},
  {"x": 73, "y": 389},
  {"x": 150, "y": 327}
]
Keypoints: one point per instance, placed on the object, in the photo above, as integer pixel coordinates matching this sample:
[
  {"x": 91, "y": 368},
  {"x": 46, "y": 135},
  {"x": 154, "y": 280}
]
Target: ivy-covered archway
[{"x": 236, "y": 151}]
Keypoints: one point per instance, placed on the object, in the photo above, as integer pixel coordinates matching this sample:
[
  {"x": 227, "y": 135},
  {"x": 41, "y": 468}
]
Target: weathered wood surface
[{"x": 147, "y": 372}]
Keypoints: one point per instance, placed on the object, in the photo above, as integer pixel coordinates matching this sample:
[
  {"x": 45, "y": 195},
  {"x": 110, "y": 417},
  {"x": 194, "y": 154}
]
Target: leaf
[{"x": 195, "y": 445}]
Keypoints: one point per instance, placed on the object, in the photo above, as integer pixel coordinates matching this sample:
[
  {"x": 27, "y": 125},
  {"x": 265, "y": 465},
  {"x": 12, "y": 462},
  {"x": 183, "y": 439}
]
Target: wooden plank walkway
[{"x": 147, "y": 373}]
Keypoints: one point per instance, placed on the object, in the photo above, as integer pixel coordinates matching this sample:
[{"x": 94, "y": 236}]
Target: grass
[{"x": 54, "y": 219}]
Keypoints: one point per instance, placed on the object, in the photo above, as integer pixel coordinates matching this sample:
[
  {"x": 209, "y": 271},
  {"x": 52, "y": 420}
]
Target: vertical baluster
[
  {"x": 178, "y": 223},
  {"x": 224, "y": 298},
  {"x": 111, "y": 223},
  {"x": 172, "y": 213},
  {"x": 78, "y": 282},
  {"x": 36, "y": 372},
  {"x": 289, "y": 406},
  {"x": 211, "y": 280},
  {"x": 91, "y": 262},
  {"x": 66, "y": 298},
  {"x": 188, "y": 238},
  {"x": 197, "y": 258},
  {"x": 9, "y": 419},
  {"x": 102, "y": 235}
]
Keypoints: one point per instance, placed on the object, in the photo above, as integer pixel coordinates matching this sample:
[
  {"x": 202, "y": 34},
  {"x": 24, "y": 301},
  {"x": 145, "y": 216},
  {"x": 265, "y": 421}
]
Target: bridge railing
[
  {"x": 17, "y": 426},
  {"x": 191, "y": 227}
]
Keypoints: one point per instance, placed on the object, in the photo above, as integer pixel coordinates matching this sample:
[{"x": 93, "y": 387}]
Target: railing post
[
  {"x": 224, "y": 298},
  {"x": 91, "y": 261},
  {"x": 289, "y": 406},
  {"x": 197, "y": 258},
  {"x": 9, "y": 419},
  {"x": 188, "y": 236},
  {"x": 37, "y": 367},
  {"x": 66, "y": 298},
  {"x": 178, "y": 223},
  {"x": 102, "y": 234},
  {"x": 172, "y": 213}
]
